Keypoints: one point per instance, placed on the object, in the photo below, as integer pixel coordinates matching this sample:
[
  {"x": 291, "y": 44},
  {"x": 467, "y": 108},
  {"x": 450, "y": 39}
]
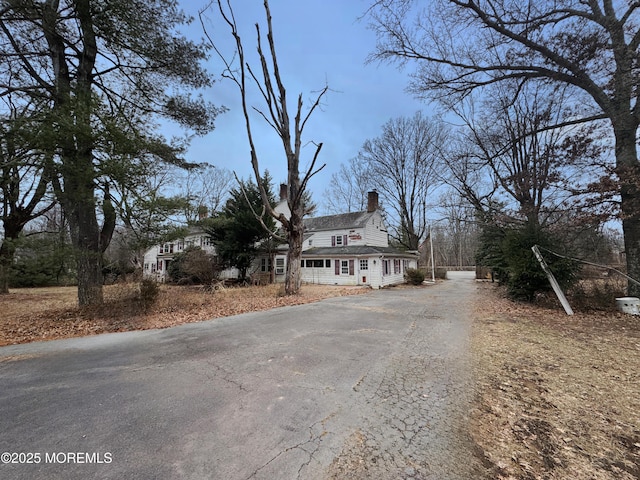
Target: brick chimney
[
  {"x": 283, "y": 192},
  {"x": 203, "y": 212},
  {"x": 372, "y": 201}
]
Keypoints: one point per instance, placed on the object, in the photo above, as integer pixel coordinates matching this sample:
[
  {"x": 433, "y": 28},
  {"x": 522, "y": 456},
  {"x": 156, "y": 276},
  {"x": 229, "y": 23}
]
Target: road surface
[{"x": 372, "y": 386}]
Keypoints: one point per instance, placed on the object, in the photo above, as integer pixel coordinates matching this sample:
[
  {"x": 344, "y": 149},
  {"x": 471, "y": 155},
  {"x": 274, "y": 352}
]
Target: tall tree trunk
[
  {"x": 7, "y": 251},
  {"x": 12, "y": 227},
  {"x": 293, "y": 279},
  {"x": 90, "y": 277},
  {"x": 85, "y": 237},
  {"x": 628, "y": 171}
]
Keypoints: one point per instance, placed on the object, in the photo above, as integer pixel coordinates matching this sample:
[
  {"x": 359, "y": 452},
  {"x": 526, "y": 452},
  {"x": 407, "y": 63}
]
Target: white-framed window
[
  {"x": 396, "y": 266},
  {"x": 146, "y": 266},
  {"x": 310, "y": 241},
  {"x": 265, "y": 264},
  {"x": 180, "y": 245},
  {"x": 327, "y": 263},
  {"x": 205, "y": 241},
  {"x": 339, "y": 241},
  {"x": 166, "y": 248},
  {"x": 386, "y": 267},
  {"x": 315, "y": 263},
  {"x": 153, "y": 268},
  {"x": 405, "y": 265},
  {"x": 364, "y": 264},
  {"x": 344, "y": 267},
  {"x": 280, "y": 266}
]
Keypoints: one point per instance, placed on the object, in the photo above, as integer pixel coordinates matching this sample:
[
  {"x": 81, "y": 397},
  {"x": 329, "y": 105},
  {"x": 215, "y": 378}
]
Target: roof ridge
[{"x": 339, "y": 220}]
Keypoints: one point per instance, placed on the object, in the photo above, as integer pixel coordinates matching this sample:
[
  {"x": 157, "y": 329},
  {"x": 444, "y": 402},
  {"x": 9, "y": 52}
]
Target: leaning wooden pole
[
  {"x": 554, "y": 282},
  {"x": 433, "y": 265}
]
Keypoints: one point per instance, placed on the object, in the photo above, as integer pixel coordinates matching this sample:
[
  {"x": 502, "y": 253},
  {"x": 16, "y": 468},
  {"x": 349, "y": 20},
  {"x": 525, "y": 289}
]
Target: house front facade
[
  {"x": 345, "y": 249},
  {"x": 158, "y": 258},
  {"x": 353, "y": 249}
]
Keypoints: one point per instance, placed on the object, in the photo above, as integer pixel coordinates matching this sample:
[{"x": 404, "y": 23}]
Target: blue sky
[{"x": 318, "y": 42}]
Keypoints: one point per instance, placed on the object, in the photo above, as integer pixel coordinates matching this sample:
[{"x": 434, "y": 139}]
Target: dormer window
[{"x": 338, "y": 240}]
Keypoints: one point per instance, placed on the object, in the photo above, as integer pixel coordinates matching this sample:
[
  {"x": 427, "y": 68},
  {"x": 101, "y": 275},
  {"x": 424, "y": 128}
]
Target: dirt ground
[{"x": 557, "y": 397}]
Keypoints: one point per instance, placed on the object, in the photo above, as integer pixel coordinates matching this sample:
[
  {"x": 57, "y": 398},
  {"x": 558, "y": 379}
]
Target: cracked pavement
[{"x": 372, "y": 386}]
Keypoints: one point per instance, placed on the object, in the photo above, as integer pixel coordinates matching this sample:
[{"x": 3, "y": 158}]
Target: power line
[{"x": 591, "y": 263}]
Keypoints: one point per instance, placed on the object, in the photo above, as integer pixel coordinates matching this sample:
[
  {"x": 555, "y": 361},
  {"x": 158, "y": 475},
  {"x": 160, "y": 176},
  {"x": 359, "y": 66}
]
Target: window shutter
[
  {"x": 344, "y": 240},
  {"x": 351, "y": 267},
  {"x": 333, "y": 240},
  {"x": 337, "y": 269}
]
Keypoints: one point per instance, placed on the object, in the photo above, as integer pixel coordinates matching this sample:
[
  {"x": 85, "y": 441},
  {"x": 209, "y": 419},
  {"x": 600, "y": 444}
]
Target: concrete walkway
[{"x": 372, "y": 386}]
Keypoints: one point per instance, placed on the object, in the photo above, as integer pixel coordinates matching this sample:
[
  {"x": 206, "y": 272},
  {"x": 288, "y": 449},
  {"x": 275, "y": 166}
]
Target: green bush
[
  {"x": 508, "y": 252},
  {"x": 414, "y": 276},
  {"x": 42, "y": 260}
]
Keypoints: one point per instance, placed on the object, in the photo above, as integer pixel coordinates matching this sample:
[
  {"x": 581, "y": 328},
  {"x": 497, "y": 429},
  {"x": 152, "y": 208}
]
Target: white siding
[
  {"x": 154, "y": 257},
  {"x": 324, "y": 276},
  {"x": 355, "y": 236},
  {"x": 375, "y": 231},
  {"x": 327, "y": 275},
  {"x": 282, "y": 207},
  {"x": 309, "y": 242},
  {"x": 396, "y": 278}
]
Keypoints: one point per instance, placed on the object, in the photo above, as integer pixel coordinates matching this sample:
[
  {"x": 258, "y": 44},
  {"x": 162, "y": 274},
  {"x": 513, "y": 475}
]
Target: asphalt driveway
[{"x": 371, "y": 386}]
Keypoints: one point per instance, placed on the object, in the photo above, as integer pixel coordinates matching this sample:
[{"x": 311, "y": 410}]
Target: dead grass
[
  {"x": 558, "y": 397},
  {"x": 49, "y": 313}
]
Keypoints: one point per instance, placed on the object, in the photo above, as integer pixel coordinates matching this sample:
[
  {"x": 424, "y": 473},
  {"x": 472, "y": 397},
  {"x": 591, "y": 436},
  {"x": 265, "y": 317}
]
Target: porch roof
[{"x": 357, "y": 250}]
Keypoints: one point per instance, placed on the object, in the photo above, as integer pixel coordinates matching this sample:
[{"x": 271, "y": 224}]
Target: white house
[
  {"x": 345, "y": 249},
  {"x": 158, "y": 258},
  {"x": 353, "y": 249}
]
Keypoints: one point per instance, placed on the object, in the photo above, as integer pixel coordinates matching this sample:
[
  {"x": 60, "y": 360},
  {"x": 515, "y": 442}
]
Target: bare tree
[
  {"x": 536, "y": 171},
  {"x": 405, "y": 161},
  {"x": 206, "y": 188},
  {"x": 275, "y": 112},
  {"x": 590, "y": 46},
  {"x": 348, "y": 189},
  {"x": 456, "y": 232}
]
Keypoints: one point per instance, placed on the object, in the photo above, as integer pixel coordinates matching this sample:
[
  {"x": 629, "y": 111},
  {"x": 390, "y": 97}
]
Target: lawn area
[
  {"x": 557, "y": 397},
  {"x": 33, "y": 314}
]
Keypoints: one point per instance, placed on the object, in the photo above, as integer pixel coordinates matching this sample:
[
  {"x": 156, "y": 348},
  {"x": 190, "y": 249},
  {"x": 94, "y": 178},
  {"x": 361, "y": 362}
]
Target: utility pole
[
  {"x": 554, "y": 282},
  {"x": 433, "y": 267}
]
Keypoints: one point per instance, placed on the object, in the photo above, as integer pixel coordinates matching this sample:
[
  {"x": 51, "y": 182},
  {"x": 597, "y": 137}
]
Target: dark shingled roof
[
  {"x": 335, "y": 222},
  {"x": 355, "y": 250}
]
